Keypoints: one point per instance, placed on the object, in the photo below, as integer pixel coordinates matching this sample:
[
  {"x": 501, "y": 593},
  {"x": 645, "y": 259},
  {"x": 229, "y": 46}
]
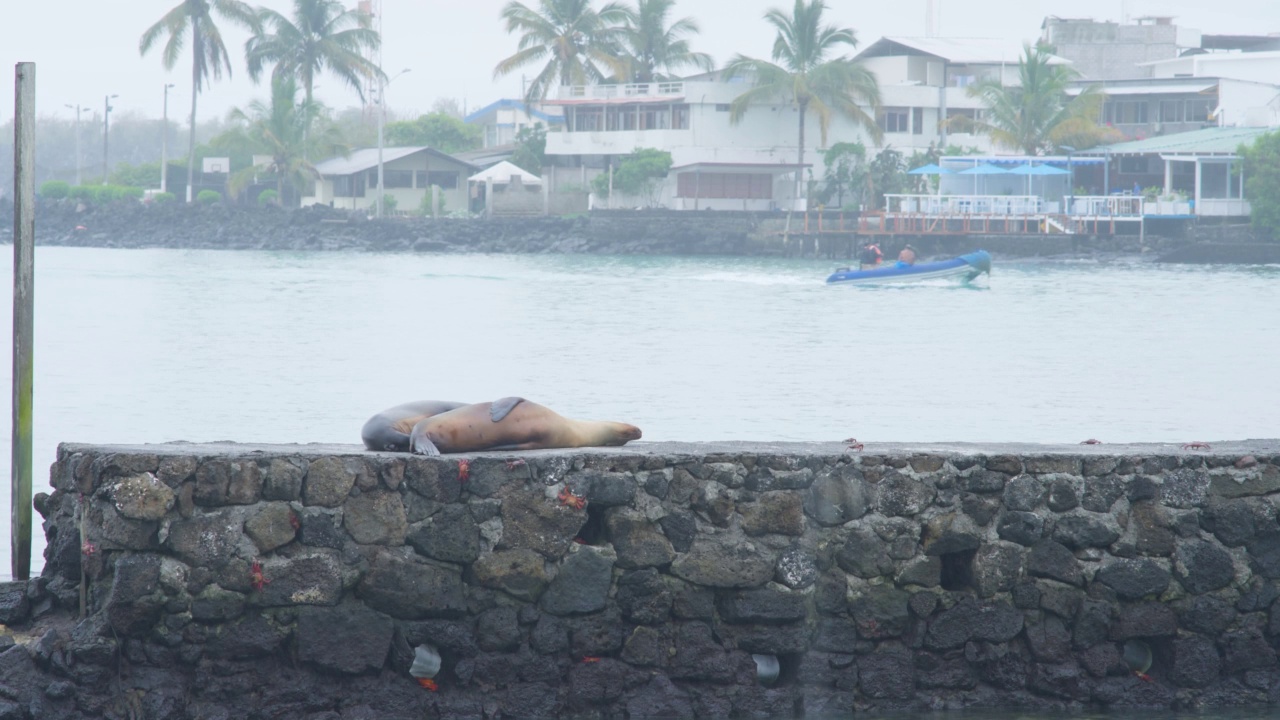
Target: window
[
  {"x": 1127, "y": 112},
  {"x": 917, "y": 121},
  {"x": 1198, "y": 110},
  {"x": 394, "y": 178},
  {"x": 447, "y": 180},
  {"x": 736, "y": 186},
  {"x": 679, "y": 117},
  {"x": 722, "y": 107},
  {"x": 894, "y": 120},
  {"x": 1171, "y": 111}
]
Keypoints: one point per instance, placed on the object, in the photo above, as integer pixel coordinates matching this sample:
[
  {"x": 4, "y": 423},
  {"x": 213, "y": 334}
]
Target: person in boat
[
  {"x": 870, "y": 256},
  {"x": 907, "y": 257}
]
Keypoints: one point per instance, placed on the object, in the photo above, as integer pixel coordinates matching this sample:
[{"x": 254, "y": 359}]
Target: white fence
[
  {"x": 654, "y": 89},
  {"x": 965, "y": 204}
]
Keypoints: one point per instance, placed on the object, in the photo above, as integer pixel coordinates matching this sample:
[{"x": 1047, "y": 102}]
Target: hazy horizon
[{"x": 87, "y": 49}]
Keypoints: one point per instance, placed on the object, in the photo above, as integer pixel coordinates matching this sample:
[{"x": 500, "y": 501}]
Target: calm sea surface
[{"x": 158, "y": 345}]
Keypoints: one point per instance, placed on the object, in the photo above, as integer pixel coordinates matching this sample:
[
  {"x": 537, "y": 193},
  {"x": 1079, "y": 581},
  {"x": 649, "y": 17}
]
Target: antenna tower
[{"x": 932, "y": 17}]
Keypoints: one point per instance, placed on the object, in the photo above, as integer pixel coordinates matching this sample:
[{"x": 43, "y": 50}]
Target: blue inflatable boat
[{"x": 967, "y": 266}]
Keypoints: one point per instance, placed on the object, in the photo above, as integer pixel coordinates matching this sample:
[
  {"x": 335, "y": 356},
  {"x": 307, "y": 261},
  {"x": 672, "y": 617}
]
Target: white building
[
  {"x": 751, "y": 165},
  {"x": 503, "y": 120}
]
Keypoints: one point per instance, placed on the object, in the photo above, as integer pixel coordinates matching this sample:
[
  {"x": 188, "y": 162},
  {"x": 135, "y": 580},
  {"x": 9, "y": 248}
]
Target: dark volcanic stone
[
  {"x": 796, "y": 569},
  {"x": 1024, "y": 528},
  {"x": 1246, "y": 650},
  {"x": 349, "y": 638},
  {"x": 520, "y": 573},
  {"x": 680, "y": 528},
  {"x": 717, "y": 562},
  {"x": 1049, "y": 640},
  {"x": 1206, "y": 614},
  {"x": 1202, "y": 567},
  {"x": 1145, "y": 620},
  {"x": 837, "y": 498},
  {"x": 1053, "y": 560},
  {"x": 135, "y": 602},
  {"x": 1264, "y": 554},
  {"x": 14, "y": 604},
  {"x": 639, "y": 543},
  {"x": 451, "y": 535},
  {"x": 887, "y": 675},
  {"x": 1092, "y": 624},
  {"x": 581, "y": 585},
  {"x": 643, "y": 597},
  {"x": 899, "y": 495},
  {"x": 989, "y": 621},
  {"x": 1195, "y": 662},
  {"x": 497, "y": 629},
  {"x": 761, "y": 606},
  {"x": 1133, "y": 579},
  {"x": 410, "y": 590},
  {"x": 881, "y": 612},
  {"x": 1024, "y": 493},
  {"x": 1084, "y": 531},
  {"x": 863, "y": 554}
]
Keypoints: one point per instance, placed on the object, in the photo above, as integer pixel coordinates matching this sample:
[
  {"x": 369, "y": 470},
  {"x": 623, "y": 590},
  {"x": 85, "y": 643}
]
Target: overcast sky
[{"x": 86, "y": 49}]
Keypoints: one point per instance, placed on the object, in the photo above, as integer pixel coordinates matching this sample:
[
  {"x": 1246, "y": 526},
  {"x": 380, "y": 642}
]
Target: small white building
[
  {"x": 503, "y": 120},
  {"x": 408, "y": 173}
]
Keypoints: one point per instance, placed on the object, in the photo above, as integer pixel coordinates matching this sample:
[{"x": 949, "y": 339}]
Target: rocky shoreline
[{"x": 614, "y": 232}]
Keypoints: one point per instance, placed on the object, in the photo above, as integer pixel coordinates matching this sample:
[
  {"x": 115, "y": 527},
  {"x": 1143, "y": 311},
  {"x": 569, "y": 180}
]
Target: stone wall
[{"x": 230, "y": 580}]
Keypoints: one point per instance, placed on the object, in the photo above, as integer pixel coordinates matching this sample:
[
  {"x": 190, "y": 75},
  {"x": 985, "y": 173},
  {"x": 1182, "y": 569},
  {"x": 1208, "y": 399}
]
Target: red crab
[
  {"x": 1091, "y": 441},
  {"x": 256, "y": 578},
  {"x": 464, "y": 470},
  {"x": 429, "y": 684},
  {"x": 569, "y": 499},
  {"x": 1143, "y": 676},
  {"x": 88, "y": 549},
  {"x": 854, "y": 444},
  {"x": 294, "y": 522},
  {"x": 1196, "y": 445},
  {"x": 513, "y": 464},
  {"x": 590, "y": 659}
]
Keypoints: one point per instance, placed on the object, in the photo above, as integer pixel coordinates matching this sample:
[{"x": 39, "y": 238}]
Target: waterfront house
[
  {"x": 503, "y": 120},
  {"x": 408, "y": 173}
]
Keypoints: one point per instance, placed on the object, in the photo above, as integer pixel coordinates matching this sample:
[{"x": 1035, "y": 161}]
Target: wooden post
[{"x": 24, "y": 234}]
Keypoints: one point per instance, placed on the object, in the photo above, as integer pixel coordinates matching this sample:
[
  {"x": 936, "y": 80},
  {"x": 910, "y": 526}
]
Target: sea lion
[
  {"x": 389, "y": 429},
  {"x": 512, "y": 423}
]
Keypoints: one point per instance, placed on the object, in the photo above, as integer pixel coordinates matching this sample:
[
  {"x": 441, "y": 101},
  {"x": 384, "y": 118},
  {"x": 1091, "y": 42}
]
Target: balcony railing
[
  {"x": 604, "y": 92},
  {"x": 964, "y": 204},
  {"x": 1104, "y": 205}
]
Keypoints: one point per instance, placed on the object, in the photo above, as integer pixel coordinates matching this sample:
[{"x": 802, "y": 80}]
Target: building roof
[
  {"x": 502, "y": 172},
  {"x": 509, "y": 104},
  {"x": 1219, "y": 57},
  {"x": 367, "y": 159},
  {"x": 775, "y": 168},
  {"x": 964, "y": 51},
  {"x": 1208, "y": 141},
  {"x": 1150, "y": 86}
]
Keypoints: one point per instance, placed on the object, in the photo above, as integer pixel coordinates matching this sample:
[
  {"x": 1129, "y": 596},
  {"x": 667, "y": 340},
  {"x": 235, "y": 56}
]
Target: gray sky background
[{"x": 86, "y": 49}]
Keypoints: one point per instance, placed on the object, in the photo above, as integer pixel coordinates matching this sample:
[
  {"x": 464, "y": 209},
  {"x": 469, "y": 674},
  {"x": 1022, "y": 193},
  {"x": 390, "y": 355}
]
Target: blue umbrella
[
  {"x": 983, "y": 169},
  {"x": 1027, "y": 169}
]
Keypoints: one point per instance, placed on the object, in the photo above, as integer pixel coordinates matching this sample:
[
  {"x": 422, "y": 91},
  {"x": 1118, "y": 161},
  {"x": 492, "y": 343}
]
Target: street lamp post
[
  {"x": 164, "y": 141},
  {"x": 106, "y": 133},
  {"x": 77, "y": 108},
  {"x": 382, "y": 111},
  {"x": 1071, "y": 180}
]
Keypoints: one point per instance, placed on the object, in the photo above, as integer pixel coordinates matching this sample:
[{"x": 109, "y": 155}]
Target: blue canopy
[
  {"x": 1028, "y": 169},
  {"x": 930, "y": 169},
  {"x": 984, "y": 169}
]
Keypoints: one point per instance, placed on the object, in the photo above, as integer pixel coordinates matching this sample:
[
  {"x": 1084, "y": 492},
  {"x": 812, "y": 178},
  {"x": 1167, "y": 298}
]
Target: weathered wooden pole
[{"x": 24, "y": 235}]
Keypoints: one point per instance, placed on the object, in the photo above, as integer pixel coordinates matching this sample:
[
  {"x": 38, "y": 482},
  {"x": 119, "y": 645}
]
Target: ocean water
[{"x": 157, "y": 345}]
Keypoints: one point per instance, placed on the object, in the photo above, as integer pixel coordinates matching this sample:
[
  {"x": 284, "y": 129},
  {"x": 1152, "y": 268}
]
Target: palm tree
[
  {"x": 653, "y": 45},
  {"x": 323, "y": 35},
  {"x": 804, "y": 74},
  {"x": 575, "y": 40},
  {"x": 280, "y": 129},
  {"x": 1036, "y": 115},
  {"x": 195, "y": 18}
]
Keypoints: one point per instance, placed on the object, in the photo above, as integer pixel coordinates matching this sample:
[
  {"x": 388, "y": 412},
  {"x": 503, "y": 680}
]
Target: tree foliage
[
  {"x": 437, "y": 130},
  {"x": 194, "y": 20},
  {"x": 1262, "y": 181},
  {"x": 282, "y": 130},
  {"x": 807, "y": 73},
  {"x": 321, "y": 35},
  {"x": 578, "y": 44},
  {"x": 1036, "y": 115},
  {"x": 846, "y": 174},
  {"x": 531, "y": 148},
  {"x": 654, "y": 50},
  {"x": 639, "y": 174}
]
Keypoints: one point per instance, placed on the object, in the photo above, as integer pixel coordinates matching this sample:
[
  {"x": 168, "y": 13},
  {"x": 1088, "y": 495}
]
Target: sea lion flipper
[
  {"x": 498, "y": 409},
  {"x": 419, "y": 443}
]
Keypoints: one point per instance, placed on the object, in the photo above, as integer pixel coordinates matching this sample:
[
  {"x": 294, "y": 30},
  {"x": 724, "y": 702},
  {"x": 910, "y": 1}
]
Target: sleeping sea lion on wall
[
  {"x": 389, "y": 429},
  {"x": 512, "y": 423}
]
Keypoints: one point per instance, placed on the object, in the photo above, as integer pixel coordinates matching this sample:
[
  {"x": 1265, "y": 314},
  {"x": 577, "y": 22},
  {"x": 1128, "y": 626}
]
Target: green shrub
[
  {"x": 163, "y": 197},
  {"x": 424, "y": 207},
  {"x": 388, "y": 204},
  {"x": 208, "y": 197},
  {"x": 268, "y": 197},
  {"x": 54, "y": 190},
  {"x": 130, "y": 192},
  {"x": 82, "y": 192}
]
